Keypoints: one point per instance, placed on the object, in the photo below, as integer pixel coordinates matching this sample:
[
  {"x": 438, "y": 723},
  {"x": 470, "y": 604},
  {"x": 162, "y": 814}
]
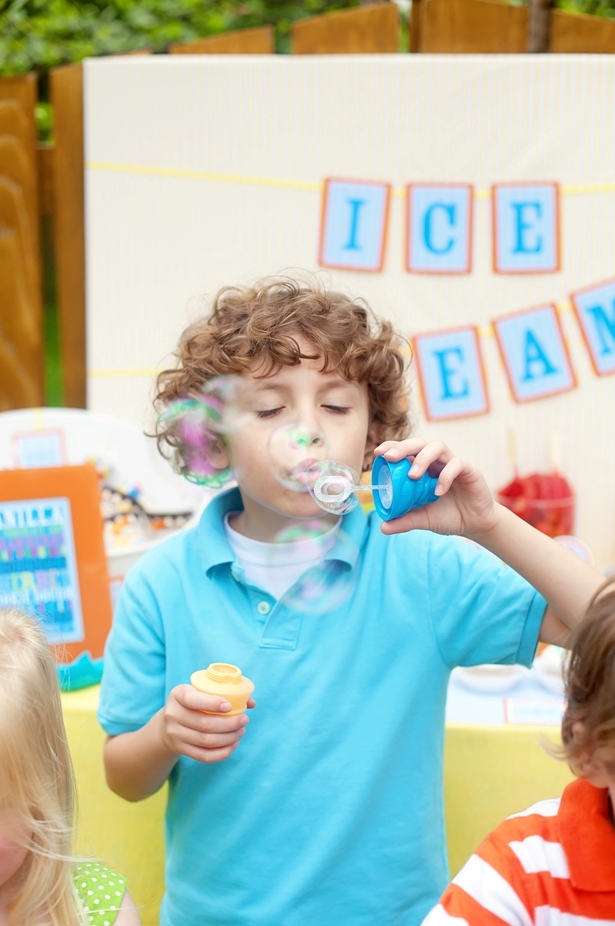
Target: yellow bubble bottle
[{"x": 225, "y": 681}]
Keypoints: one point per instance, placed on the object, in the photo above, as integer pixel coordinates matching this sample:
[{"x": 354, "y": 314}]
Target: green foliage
[
  {"x": 38, "y": 34},
  {"x": 604, "y": 8}
]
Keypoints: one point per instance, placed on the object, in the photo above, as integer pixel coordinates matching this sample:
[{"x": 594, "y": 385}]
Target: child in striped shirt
[{"x": 554, "y": 864}]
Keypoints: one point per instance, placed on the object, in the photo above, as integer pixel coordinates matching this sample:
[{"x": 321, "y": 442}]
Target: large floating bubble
[
  {"x": 295, "y": 450},
  {"x": 228, "y": 401},
  {"x": 195, "y": 424},
  {"x": 330, "y": 577}
]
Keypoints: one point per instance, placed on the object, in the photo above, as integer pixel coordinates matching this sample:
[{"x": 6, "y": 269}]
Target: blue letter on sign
[
  {"x": 526, "y": 228},
  {"x": 595, "y": 310},
  {"x": 534, "y": 353},
  {"x": 451, "y": 374},
  {"x": 439, "y": 228},
  {"x": 354, "y": 224}
]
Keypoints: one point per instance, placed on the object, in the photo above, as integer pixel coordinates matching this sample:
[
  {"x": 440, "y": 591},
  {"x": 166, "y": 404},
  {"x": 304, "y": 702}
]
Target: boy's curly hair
[
  {"x": 255, "y": 329},
  {"x": 590, "y": 684}
]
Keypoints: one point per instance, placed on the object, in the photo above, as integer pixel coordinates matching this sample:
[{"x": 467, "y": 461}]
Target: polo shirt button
[{"x": 263, "y": 607}]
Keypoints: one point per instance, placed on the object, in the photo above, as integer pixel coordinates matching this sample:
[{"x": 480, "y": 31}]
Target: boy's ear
[{"x": 217, "y": 454}]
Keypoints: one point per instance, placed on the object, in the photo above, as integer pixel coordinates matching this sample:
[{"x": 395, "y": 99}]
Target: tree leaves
[{"x": 36, "y": 35}]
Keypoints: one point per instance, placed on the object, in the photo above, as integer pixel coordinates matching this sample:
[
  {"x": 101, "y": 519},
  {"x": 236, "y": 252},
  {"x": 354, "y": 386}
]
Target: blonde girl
[{"x": 40, "y": 882}]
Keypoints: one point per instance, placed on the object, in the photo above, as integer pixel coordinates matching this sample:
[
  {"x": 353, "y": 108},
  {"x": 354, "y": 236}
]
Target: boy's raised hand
[
  {"x": 187, "y": 731},
  {"x": 466, "y": 505}
]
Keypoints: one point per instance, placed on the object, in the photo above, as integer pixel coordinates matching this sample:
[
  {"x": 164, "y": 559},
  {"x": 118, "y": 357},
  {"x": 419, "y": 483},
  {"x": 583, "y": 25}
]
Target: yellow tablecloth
[{"x": 490, "y": 772}]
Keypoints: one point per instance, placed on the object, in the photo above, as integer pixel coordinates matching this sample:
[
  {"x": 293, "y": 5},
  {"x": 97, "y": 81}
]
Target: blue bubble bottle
[{"x": 394, "y": 493}]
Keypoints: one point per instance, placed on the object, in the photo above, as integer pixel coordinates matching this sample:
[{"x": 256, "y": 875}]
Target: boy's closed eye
[{"x": 272, "y": 412}]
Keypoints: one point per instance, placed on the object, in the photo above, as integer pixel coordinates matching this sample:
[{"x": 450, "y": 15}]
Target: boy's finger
[
  {"x": 448, "y": 475},
  {"x": 434, "y": 451},
  {"x": 399, "y": 450},
  {"x": 210, "y": 723},
  {"x": 251, "y": 703},
  {"x": 212, "y": 740},
  {"x": 209, "y": 755},
  {"x": 195, "y": 700},
  {"x": 412, "y": 521}
]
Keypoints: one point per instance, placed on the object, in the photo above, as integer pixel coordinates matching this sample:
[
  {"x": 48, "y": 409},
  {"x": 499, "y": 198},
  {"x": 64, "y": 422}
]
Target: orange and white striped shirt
[{"x": 552, "y": 865}]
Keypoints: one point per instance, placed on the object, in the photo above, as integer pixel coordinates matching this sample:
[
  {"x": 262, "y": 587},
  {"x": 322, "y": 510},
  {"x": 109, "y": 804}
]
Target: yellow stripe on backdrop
[{"x": 310, "y": 186}]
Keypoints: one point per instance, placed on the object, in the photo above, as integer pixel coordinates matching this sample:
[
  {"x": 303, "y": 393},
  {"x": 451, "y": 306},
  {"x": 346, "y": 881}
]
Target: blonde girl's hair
[{"x": 36, "y": 774}]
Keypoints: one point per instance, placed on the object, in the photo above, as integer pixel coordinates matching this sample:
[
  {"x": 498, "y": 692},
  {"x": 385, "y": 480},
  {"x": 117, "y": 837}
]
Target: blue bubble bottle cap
[{"x": 396, "y": 493}]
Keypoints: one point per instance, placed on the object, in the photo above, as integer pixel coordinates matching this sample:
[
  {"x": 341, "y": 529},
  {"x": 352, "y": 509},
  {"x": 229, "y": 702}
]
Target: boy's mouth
[{"x": 305, "y": 474}]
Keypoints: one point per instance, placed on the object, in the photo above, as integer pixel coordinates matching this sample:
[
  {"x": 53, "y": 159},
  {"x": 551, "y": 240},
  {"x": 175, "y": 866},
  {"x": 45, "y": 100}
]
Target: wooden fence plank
[
  {"x": 21, "y": 284},
  {"x": 576, "y": 32},
  {"x": 66, "y": 86},
  {"x": 243, "y": 42},
  {"x": 368, "y": 30},
  {"x": 472, "y": 26}
]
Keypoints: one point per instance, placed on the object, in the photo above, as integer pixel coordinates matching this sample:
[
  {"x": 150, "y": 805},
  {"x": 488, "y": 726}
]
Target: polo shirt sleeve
[
  {"x": 482, "y": 611},
  {"x": 134, "y": 670}
]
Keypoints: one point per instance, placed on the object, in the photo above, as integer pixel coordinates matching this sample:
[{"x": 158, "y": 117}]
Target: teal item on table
[
  {"x": 82, "y": 672},
  {"x": 400, "y": 493}
]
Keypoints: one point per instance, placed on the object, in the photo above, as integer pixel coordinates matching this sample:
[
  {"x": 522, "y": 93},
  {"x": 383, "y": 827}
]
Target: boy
[
  {"x": 330, "y": 811},
  {"x": 554, "y": 863}
]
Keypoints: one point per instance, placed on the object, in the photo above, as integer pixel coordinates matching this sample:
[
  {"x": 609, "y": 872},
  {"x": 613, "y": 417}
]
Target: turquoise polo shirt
[{"x": 330, "y": 812}]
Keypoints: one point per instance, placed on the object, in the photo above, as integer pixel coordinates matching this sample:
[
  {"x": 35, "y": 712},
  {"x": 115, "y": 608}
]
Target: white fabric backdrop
[{"x": 205, "y": 171}]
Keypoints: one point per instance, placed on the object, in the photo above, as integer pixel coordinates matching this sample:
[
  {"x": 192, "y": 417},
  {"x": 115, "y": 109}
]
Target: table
[{"x": 491, "y": 770}]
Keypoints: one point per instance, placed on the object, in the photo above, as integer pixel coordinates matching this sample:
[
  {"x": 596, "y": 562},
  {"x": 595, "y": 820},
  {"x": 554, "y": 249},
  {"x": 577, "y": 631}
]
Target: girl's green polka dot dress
[{"x": 100, "y": 891}]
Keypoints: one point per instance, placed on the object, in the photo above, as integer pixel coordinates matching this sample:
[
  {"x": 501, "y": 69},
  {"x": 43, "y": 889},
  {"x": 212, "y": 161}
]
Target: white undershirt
[{"x": 275, "y": 567}]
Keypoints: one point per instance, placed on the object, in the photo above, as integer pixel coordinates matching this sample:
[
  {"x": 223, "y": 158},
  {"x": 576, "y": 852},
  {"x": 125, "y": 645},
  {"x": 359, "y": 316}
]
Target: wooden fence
[{"x": 50, "y": 180}]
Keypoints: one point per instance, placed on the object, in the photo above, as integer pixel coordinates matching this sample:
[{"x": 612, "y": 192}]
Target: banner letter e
[
  {"x": 451, "y": 374},
  {"x": 526, "y": 228}
]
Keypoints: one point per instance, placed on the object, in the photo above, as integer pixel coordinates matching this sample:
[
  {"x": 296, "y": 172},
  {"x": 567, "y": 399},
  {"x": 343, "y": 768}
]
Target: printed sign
[
  {"x": 451, "y": 374},
  {"x": 354, "y": 224},
  {"x": 37, "y": 449},
  {"x": 439, "y": 230},
  {"x": 526, "y": 228},
  {"x": 595, "y": 310},
  {"x": 38, "y": 568},
  {"x": 535, "y": 354},
  {"x": 52, "y": 555}
]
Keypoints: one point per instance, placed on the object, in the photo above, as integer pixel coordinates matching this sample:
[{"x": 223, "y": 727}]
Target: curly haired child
[
  {"x": 329, "y": 810},
  {"x": 553, "y": 864},
  {"x": 41, "y": 884}
]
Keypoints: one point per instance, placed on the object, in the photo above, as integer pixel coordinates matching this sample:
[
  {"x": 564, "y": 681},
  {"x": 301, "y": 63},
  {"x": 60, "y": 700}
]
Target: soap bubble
[
  {"x": 294, "y": 453},
  {"x": 194, "y": 425},
  {"x": 335, "y": 487},
  {"x": 331, "y": 579},
  {"x": 228, "y": 401}
]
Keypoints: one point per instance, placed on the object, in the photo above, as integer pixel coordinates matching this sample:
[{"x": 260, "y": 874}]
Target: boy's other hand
[
  {"x": 466, "y": 505},
  {"x": 187, "y": 731}
]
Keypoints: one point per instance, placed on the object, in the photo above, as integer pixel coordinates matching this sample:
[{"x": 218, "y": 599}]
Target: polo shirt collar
[
  {"x": 587, "y": 836},
  {"x": 215, "y": 549}
]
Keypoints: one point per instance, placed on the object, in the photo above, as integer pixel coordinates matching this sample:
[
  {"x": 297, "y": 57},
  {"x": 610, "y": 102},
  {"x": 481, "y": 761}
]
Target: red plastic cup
[{"x": 553, "y": 517}]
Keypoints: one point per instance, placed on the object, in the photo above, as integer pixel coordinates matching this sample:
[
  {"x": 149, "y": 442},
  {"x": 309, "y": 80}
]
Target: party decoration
[
  {"x": 535, "y": 354},
  {"x": 439, "y": 229},
  {"x": 451, "y": 374},
  {"x": 525, "y": 227},
  {"x": 53, "y": 564},
  {"x": 354, "y": 223},
  {"x": 595, "y": 310}
]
